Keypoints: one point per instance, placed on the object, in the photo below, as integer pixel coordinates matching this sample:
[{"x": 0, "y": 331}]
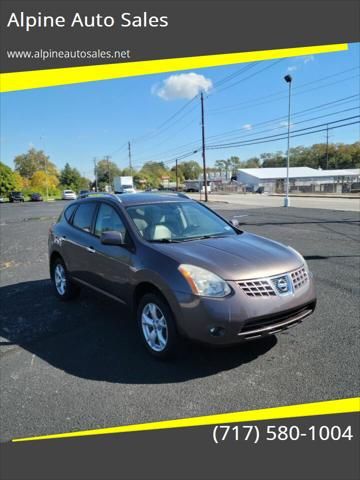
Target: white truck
[{"x": 124, "y": 185}]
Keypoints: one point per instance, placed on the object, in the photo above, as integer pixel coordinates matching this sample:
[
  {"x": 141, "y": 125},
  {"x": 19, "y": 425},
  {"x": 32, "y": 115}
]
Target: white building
[{"x": 302, "y": 179}]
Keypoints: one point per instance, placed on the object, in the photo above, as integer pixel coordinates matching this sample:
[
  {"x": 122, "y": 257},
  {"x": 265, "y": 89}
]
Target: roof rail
[
  {"x": 99, "y": 194},
  {"x": 178, "y": 194}
]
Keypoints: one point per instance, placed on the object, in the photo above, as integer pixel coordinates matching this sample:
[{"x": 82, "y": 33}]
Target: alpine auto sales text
[{"x": 125, "y": 20}]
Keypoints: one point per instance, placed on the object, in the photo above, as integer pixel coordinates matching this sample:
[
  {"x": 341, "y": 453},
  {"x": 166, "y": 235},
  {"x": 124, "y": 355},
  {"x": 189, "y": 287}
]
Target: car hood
[{"x": 241, "y": 257}]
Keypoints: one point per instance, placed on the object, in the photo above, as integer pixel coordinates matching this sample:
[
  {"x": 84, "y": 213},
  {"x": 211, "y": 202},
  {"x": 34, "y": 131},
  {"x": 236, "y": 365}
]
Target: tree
[
  {"x": 253, "y": 162},
  {"x": 273, "y": 159},
  {"x": 220, "y": 166},
  {"x": 153, "y": 172},
  {"x": 7, "y": 180},
  {"x": 71, "y": 178},
  {"x": 42, "y": 182},
  {"x": 234, "y": 164},
  {"x": 32, "y": 161},
  {"x": 190, "y": 170},
  {"x": 20, "y": 182},
  {"x": 106, "y": 171}
]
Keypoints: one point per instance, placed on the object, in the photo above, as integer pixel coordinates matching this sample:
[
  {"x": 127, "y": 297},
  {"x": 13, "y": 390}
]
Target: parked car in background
[
  {"x": 36, "y": 197},
  {"x": 69, "y": 195},
  {"x": 183, "y": 270},
  {"x": 16, "y": 197},
  {"x": 84, "y": 193}
]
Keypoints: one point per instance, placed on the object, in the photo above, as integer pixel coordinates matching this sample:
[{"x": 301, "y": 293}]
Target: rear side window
[
  {"x": 69, "y": 211},
  {"x": 83, "y": 216}
]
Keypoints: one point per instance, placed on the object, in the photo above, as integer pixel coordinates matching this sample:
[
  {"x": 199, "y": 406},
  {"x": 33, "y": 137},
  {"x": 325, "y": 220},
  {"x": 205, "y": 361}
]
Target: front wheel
[
  {"x": 65, "y": 289},
  {"x": 157, "y": 326}
]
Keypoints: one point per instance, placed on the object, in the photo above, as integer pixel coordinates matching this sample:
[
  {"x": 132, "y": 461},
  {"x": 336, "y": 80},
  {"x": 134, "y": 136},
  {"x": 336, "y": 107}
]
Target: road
[
  {"x": 75, "y": 366},
  {"x": 267, "y": 201}
]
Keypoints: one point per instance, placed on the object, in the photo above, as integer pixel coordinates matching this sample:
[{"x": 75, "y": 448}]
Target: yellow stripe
[
  {"x": 347, "y": 405},
  {"x": 65, "y": 76}
]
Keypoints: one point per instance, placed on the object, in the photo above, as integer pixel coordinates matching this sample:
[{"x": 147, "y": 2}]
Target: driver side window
[{"x": 108, "y": 220}]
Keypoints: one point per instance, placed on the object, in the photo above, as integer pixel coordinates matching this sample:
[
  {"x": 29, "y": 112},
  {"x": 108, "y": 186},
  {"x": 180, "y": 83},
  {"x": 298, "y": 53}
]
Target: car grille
[
  {"x": 265, "y": 287},
  {"x": 299, "y": 277},
  {"x": 257, "y": 288}
]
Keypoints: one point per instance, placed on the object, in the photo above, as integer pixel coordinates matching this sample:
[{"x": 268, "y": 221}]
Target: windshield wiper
[
  {"x": 204, "y": 237},
  {"x": 165, "y": 240}
]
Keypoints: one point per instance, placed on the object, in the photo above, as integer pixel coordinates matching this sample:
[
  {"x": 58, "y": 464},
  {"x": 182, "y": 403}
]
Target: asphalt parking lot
[{"x": 75, "y": 366}]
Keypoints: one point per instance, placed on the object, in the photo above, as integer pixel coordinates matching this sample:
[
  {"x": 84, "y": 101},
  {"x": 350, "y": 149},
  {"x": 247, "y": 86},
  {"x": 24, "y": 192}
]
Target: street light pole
[
  {"x": 288, "y": 79},
  {"x": 96, "y": 175}
]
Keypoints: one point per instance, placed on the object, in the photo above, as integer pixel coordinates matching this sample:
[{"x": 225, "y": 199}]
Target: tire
[
  {"x": 64, "y": 288},
  {"x": 154, "y": 315}
]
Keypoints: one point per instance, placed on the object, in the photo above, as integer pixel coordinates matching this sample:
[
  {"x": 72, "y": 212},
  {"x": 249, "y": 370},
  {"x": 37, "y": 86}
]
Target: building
[{"x": 301, "y": 179}]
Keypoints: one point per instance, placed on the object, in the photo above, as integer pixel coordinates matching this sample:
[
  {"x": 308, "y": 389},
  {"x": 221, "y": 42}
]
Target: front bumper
[{"x": 239, "y": 317}]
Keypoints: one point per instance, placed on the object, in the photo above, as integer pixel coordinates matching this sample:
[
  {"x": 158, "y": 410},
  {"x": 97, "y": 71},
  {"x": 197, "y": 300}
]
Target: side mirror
[
  {"x": 112, "y": 238},
  {"x": 235, "y": 222}
]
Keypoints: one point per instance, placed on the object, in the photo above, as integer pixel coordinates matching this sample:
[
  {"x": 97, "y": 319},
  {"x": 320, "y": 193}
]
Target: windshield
[{"x": 177, "y": 221}]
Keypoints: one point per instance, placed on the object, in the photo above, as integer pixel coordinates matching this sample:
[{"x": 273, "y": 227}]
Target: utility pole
[
  {"x": 129, "y": 150},
  {"x": 176, "y": 174},
  {"x": 96, "y": 175},
  {"x": 203, "y": 146},
  {"x": 46, "y": 174},
  {"x": 46, "y": 179},
  {"x": 107, "y": 158},
  {"x": 327, "y": 146}
]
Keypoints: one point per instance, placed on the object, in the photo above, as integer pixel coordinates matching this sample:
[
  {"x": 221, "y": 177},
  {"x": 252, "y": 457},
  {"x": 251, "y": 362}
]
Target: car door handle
[{"x": 91, "y": 249}]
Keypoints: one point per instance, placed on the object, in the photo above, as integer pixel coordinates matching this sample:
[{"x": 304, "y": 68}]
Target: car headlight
[
  {"x": 204, "y": 283},
  {"x": 300, "y": 257}
]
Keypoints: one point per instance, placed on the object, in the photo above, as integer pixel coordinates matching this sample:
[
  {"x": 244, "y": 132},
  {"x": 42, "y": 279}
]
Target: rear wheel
[
  {"x": 65, "y": 289},
  {"x": 157, "y": 326}
]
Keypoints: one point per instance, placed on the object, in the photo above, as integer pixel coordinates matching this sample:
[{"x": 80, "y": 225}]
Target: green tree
[
  {"x": 253, "y": 162},
  {"x": 220, "y": 166},
  {"x": 273, "y": 159},
  {"x": 190, "y": 170},
  {"x": 8, "y": 181},
  {"x": 71, "y": 178},
  {"x": 106, "y": 171},
  {"x": 234, "y": 164},
  {"x": 32, "y": 161}
]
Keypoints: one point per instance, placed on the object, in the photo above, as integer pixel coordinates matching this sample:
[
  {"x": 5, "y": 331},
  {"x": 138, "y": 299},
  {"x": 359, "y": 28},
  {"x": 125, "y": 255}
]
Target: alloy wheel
[
  {"x": 60, "y": 279},
  {"x": 154, "y": 327}
]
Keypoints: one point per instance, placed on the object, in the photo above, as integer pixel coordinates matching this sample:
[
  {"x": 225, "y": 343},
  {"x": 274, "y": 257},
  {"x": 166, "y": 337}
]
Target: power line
[
  {"x": 234, "y": 74},
  {"x": 161, "y": 128},
  {"x": 251, "y": 76},
  {"x": 280, "y": 95},
  {"x": 185, "y": 147},
  {"x": 323, "y": 106},
  {"x": 281, "y": 136},
  {"x": 171, "y": 137},
  {"x": 285, "y": 126},
  {"x": 150, "y": 135}
]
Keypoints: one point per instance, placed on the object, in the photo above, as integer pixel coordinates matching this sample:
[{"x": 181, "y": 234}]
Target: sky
[{"x": 160, "y": 114}]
